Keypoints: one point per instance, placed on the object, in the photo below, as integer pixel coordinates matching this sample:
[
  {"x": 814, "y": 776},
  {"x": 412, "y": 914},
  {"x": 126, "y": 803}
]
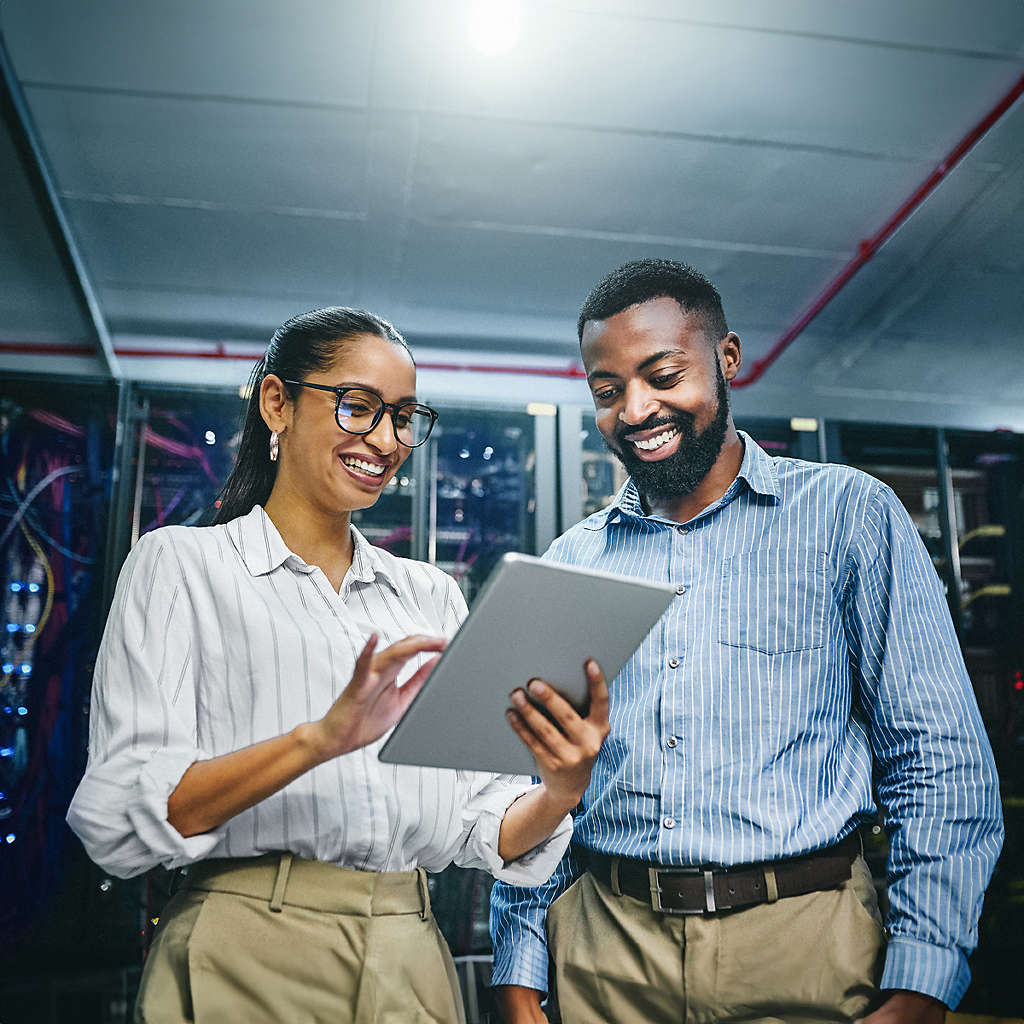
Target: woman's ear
[{"x": 275, "y": 404}]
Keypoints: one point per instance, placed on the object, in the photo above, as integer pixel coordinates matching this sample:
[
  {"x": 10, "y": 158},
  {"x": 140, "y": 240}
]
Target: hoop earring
[{"x": 275, "y": 446}]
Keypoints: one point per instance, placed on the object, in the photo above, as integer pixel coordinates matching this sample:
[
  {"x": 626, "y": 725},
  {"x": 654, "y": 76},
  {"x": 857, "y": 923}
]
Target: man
[{"x": 807, "y": 661}]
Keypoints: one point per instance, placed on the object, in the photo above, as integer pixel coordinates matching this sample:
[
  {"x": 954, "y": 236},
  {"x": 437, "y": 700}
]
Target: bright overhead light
[{"x": 494, "y": 25}]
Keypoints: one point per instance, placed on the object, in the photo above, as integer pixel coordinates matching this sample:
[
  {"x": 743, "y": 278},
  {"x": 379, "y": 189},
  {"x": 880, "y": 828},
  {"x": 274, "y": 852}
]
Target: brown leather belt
[{"x": 699, "y": 890}]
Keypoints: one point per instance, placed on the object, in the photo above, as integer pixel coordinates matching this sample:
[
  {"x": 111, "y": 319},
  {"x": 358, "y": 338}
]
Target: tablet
[{"x": 532, "y": 619}]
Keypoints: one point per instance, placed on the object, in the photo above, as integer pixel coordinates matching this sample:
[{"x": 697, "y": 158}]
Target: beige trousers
[
  {"x": 802, "y": 960},
  {"x": 280, "y": 940}
]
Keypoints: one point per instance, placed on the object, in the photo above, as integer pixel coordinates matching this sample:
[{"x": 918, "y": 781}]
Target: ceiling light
[{"x": 494, "y": 25}]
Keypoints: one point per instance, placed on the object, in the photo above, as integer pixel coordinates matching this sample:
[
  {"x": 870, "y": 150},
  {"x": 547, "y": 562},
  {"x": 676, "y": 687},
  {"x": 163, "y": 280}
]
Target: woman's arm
[
  {"x": 213, "y": 791},
  {"x": 565, "y": 755}
]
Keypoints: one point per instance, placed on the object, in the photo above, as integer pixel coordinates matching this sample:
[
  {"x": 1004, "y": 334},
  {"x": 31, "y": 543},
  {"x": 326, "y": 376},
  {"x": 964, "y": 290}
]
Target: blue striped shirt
[{"x": 810, "y": 630}]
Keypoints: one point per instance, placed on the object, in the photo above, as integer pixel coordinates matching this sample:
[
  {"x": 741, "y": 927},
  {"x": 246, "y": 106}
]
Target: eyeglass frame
[{"x": 390, "y": 407}]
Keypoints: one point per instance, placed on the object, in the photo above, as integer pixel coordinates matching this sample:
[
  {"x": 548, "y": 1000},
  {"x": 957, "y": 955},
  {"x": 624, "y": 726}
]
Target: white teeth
[
  {"x": 366, "y": 467},
  {"x": 653, "y": 443}
]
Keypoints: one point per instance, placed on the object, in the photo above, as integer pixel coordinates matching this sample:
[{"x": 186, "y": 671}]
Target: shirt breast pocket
[{"x": 773, "y": 600}]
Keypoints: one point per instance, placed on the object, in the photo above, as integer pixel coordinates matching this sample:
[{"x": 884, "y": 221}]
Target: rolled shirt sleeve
[
  {"x": 482, "y": 816},
  {"x": 143, "y": 732},
  {"x": 936, "y": 776}
]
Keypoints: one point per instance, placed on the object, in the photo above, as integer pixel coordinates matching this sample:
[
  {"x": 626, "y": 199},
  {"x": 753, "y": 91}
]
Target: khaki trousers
[
  {"x": 280, "y": 940},
  {"x": 802, "y": 960}
]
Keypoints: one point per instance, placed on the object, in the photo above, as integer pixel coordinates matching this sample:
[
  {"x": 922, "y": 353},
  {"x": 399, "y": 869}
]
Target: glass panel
[
  {"x": 186, "y": 443},
  {"x": 603, "y": 474},
  {"x": 56, "y": 447},
  {"x": 481, "y": 501},
  {"x": 987, "y": 486},
  {"x": 906, "y": 459},
  {"x": 777, "y": 437}
]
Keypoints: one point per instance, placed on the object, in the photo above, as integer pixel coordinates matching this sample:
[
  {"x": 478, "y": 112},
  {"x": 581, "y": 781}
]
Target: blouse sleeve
[
  {"x": 488, "y": 797},
  {"x": 142, "y": 729}
]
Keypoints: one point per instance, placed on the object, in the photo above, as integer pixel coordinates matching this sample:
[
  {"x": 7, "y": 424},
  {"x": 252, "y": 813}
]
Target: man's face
[{"x": 661, "y": 398}]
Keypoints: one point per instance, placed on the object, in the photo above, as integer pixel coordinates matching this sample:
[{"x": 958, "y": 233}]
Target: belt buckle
[{"x": 709, "y": 889}]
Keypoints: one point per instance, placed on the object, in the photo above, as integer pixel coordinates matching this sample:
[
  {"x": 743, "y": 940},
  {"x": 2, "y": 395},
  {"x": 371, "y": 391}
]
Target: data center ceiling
[{"x": 225, "y": 164}]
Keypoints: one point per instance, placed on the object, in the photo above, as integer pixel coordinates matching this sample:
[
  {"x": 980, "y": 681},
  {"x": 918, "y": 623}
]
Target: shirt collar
[
  {"x": 263, "y": 550},
  {"x": 757, "y": 470}
]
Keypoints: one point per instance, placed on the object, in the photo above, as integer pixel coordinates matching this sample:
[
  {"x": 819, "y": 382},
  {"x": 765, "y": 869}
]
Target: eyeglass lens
[{"x": 358, "y": 412}]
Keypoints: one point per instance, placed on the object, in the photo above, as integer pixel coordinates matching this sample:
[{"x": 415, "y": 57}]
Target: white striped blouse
[
  {"x": 809, "y": 644},
  {"x": 219, "y": 637}
]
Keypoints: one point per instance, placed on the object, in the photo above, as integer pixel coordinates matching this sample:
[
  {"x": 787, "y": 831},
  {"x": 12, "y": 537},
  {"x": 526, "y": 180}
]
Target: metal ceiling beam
[{"x": 14, "y": 111}]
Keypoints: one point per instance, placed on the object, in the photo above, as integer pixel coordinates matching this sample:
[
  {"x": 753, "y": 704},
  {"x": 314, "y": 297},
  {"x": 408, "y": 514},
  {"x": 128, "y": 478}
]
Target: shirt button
[
  {"x": 669, "y": 823},
  {"x": 673, "y": 663},
  {"x": 671, "y": 741},
  {"x": 681, "y": 589},
  {"x": 683, "y": 530}
]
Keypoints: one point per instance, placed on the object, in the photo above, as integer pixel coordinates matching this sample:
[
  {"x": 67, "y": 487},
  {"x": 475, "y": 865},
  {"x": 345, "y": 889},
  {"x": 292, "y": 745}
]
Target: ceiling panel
[
  {"x": 574, "y": 68},
  {"x": 989, "y": 26},
  {"x": 652, "y": 185},
  {"x": 241, "y": 155},
  {"x": 550, "y": 274},
  {"x": 37, "y": 296},
  {"x": 215, "y": 251},
  {"x": 303, "y": 51}
]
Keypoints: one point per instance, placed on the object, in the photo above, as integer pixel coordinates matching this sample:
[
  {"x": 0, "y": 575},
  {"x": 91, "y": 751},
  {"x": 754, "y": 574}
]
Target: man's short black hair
[{"x": 643, "y": 280}]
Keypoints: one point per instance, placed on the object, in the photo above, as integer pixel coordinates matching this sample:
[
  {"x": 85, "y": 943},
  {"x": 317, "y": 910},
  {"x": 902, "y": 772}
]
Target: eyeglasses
[{"x": 358, "y": 411}]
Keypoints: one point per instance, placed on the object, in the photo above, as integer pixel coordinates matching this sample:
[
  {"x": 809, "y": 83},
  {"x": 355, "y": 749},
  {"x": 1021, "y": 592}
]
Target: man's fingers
[
  {"x": 534, "y": 720},
  {"x": 557, "y": 706},
  {"x": 533, "y": 744},
  {"x": 598, "y": 690}
]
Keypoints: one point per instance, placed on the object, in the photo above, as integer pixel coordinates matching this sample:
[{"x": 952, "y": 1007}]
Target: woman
[{"x": 240, "y": 696}]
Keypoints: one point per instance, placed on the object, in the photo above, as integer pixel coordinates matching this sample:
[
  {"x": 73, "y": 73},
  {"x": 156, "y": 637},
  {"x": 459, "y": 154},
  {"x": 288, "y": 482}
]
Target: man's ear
[
  {"x": 730, "y": 355},
  {"x": 275, "y": 404}
]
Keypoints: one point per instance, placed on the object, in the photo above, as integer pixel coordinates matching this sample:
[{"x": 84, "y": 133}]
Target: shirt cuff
[
  {"x": 520, "y": 957},
  {"x": 120, "y": 814},
  {"x": 483, "y": 817},
  {"x": 935, "y": 971}
]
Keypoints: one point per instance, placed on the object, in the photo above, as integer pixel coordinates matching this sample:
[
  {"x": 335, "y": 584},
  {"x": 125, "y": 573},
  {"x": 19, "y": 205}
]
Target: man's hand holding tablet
[{"x": 565, "y": 746}]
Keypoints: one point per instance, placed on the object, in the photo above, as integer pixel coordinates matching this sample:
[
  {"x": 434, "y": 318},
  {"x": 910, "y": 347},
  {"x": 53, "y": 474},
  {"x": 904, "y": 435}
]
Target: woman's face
[{"x": 334, "y": 470}]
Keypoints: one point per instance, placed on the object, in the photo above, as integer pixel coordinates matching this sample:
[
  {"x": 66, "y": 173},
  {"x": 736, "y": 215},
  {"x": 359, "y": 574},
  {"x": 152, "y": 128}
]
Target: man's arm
[
  {"x": 935, "y": 771},
  {"x": 519, "y": 936}
]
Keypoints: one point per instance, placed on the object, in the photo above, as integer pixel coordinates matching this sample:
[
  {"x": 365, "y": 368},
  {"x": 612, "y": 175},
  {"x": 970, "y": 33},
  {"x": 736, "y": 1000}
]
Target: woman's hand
[
  {"x": 565, "y": 753},
  {"x": 372, "y": 702},
  {"x": 214, "y": 791}
]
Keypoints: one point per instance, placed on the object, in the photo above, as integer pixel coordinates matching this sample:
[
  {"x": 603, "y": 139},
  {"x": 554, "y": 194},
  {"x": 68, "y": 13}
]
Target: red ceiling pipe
[
  {"x": 82, "y": 349},
  {"x": 869, "y": 246}
]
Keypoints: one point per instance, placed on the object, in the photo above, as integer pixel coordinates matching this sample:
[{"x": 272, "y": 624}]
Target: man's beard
[{"x": 683, "y": 471}]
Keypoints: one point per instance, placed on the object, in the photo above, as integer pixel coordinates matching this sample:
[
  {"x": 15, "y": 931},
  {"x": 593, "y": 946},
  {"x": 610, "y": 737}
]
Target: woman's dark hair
[{"x": 306, "y": 344}]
